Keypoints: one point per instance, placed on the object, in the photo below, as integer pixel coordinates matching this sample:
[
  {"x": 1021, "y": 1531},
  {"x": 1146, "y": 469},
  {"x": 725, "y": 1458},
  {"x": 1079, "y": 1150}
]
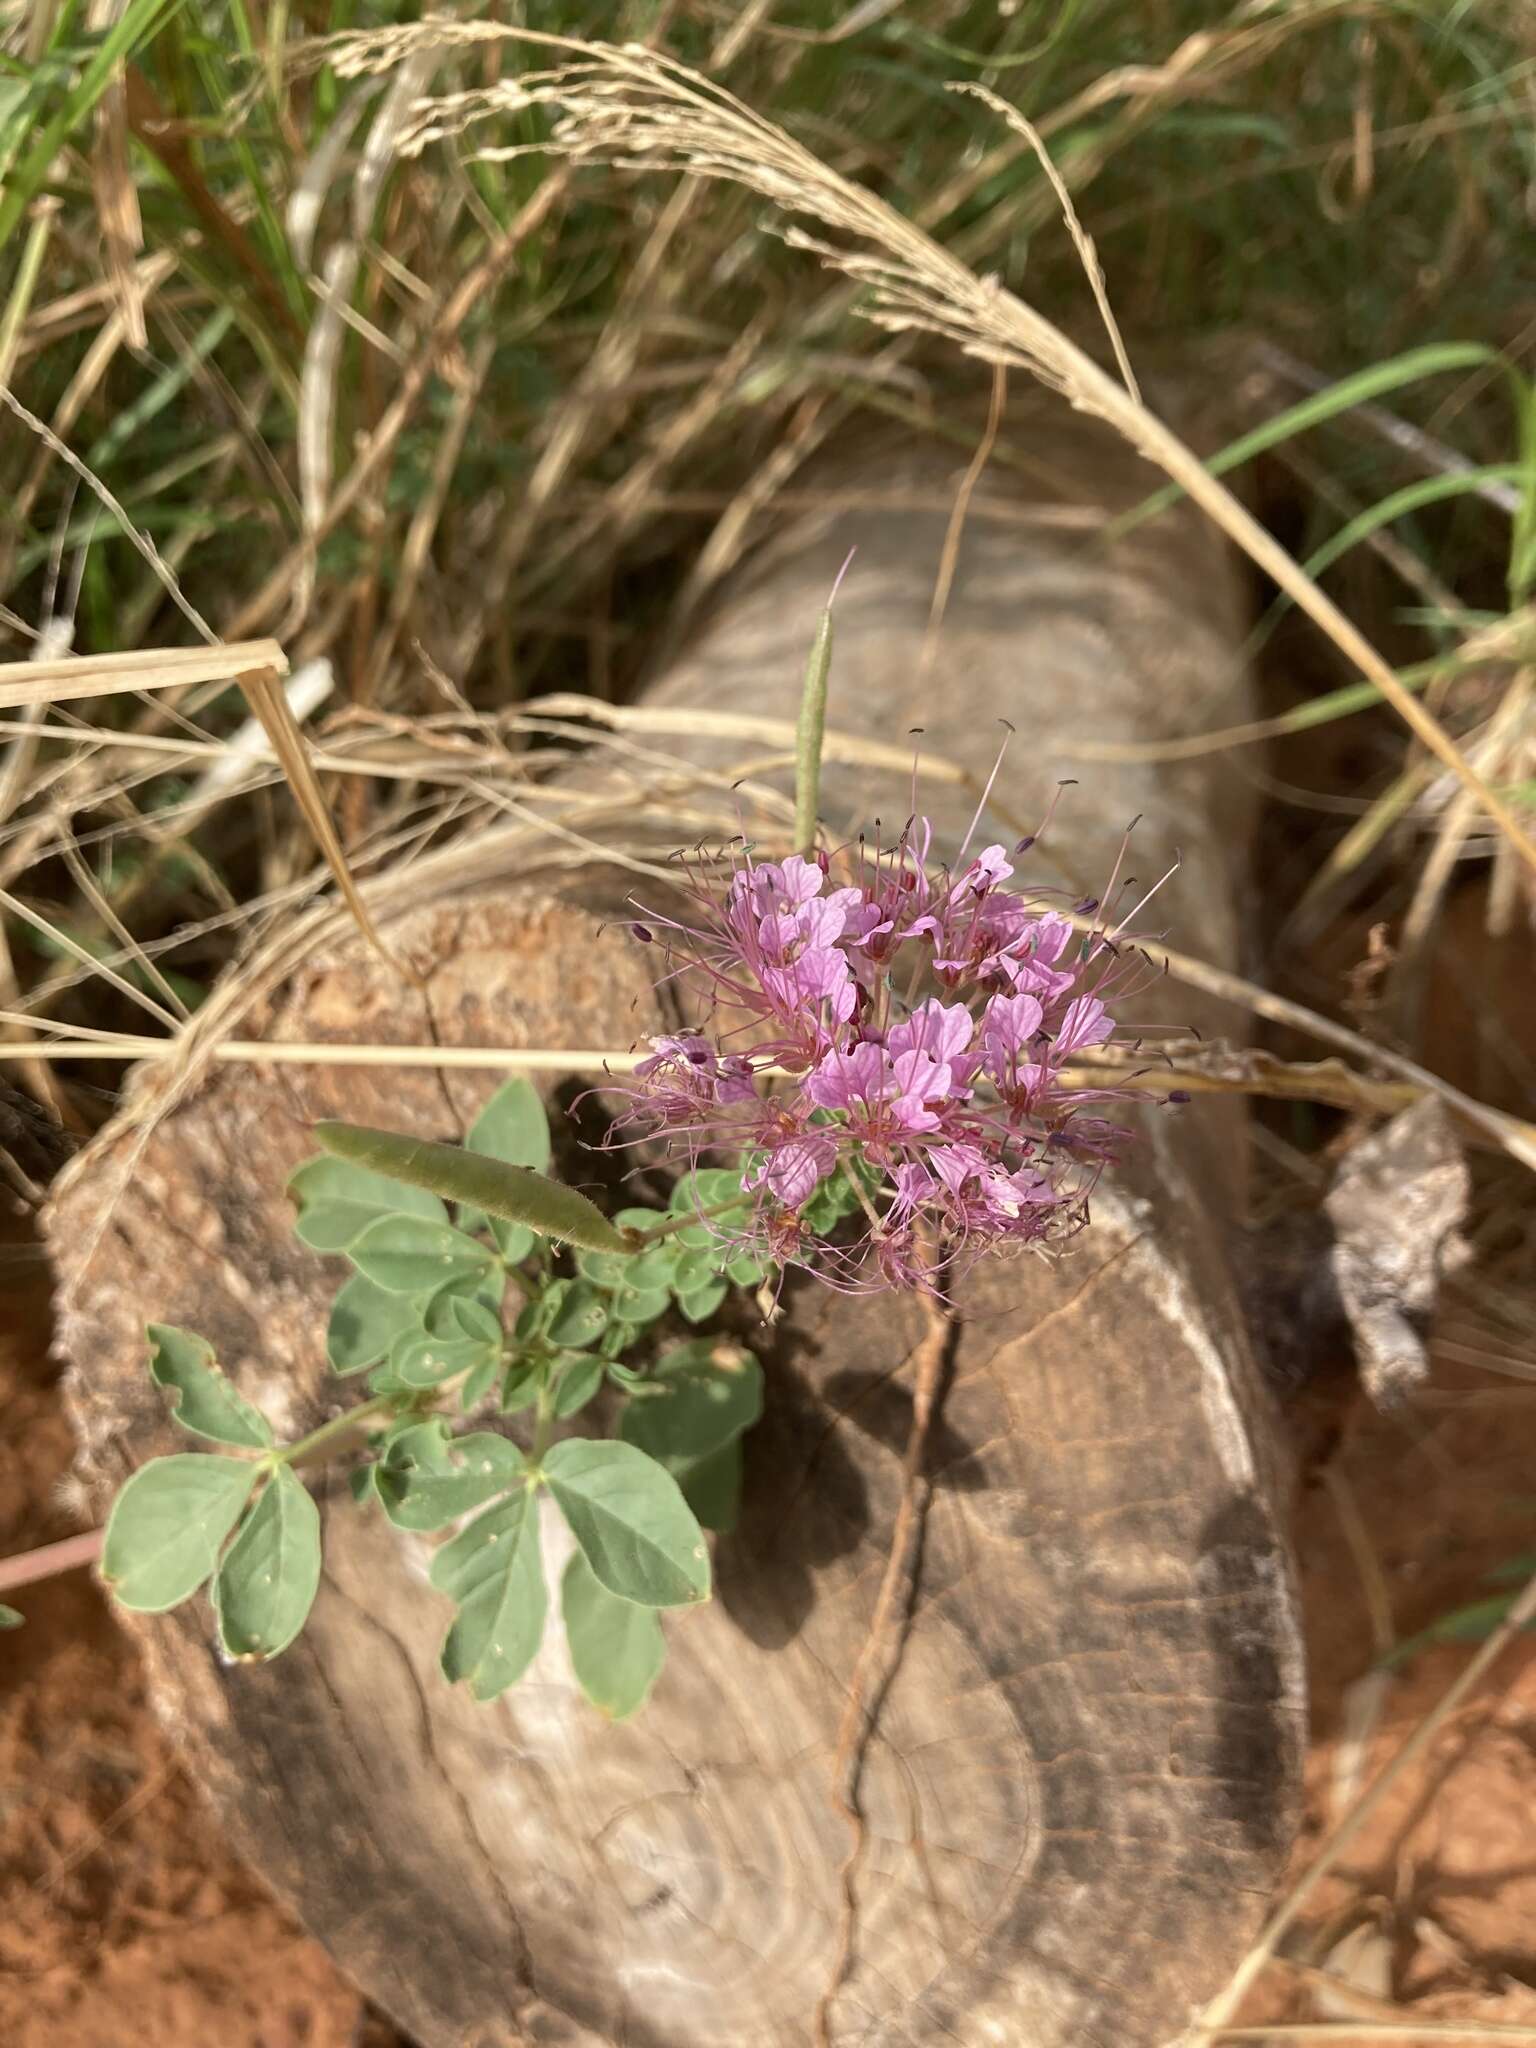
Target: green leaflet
[
  {"x": 365, "y": 1321},
  {"x": 577, "y": 1384},
  {"x": 580, "y": 1318},
  {"x": 617, "y": 1648},
  {"x": 464, "y": 1315},
  {"x": 512, "y": 1127},
  {"x": 697, "y": 1406},
  {"x": 495, "y": 1573},
  {"x": 712, "y": 1487},
  {"x": 422, "y": 1360},
  {"x": 631, "y": 1522},
  {"x": 168, "y": 1526},
  {"x": 700, "y": 1304},
  {"x": 430, "y": 1496},
  {"x": 698, "y": 1400},
  {"x": 487, "y": 1184},
  {"x": 339, "y": 1199},
  {"x": 265, "y": 1587},
  {"x": 204, "y": 1400},
  {"x": 411, "y": 1255}
]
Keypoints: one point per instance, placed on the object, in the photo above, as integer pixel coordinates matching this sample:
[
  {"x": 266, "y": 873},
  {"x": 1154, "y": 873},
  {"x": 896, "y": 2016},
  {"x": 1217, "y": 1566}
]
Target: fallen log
[{"x": 1078, "y": 1780}]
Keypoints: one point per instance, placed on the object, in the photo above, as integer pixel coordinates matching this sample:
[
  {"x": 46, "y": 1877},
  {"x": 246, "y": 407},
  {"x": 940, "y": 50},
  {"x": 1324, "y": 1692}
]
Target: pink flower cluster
[{"x": 887, "y": 1049}]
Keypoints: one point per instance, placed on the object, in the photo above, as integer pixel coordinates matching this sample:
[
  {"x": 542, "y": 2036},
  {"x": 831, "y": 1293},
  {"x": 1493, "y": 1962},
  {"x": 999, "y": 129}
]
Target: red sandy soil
[{"x": 124, "y": 1919}]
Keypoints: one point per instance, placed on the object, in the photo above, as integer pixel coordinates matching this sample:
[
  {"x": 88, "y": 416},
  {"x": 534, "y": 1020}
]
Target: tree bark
[{"x": 1081, "y": 1780}]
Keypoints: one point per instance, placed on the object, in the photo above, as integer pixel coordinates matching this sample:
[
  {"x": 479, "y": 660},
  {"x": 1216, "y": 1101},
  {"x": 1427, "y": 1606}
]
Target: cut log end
[{"x": 1079, "y": 1779}]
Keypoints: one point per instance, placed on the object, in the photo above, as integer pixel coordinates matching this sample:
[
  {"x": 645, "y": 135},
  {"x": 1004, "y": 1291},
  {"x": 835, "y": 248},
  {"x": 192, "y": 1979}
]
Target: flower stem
[
  {"x": 644, "y": 1239},
  {"x": 48, "y": 1561}
]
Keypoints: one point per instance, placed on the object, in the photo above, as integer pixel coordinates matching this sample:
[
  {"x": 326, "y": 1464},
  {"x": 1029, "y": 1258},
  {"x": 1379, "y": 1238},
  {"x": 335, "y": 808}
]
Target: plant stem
[
  {"x": 293, "y": 1454},
  {"x": 543, "y": 1422},
  {"x": 646, "y": 1238},
  {"x": 50, "y": 1560}
]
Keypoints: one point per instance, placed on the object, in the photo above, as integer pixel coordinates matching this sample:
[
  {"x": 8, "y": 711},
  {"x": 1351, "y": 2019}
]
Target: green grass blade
[
  {"x": 138, "y": 22},
  {"x": 1359, "y": 389}
]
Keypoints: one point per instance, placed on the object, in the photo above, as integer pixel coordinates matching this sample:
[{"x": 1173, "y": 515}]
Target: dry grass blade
[
  {"x": 105, "y": 675},
  {"x": 264, "y": 1052},
  {"x": 264, "y": 693},
  {"x": 948, "y": 560},
  {"x": 115, "y": 193},
  {"x": 456, "y": 306},
  {"x": 65, "y": 943},
  {"x": 159, "y": 567},
  {"x": 1516, "y": 1138},
  {"x": 1462, "y": 2032}
]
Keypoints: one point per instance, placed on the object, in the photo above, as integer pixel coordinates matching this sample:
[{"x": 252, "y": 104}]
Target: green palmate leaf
[
  {"x": 365, "y": 1321},
  {"x": 578, "y": 1383},
  {"x": 168, "y": 1526},
  {"x": 265, "y": 1586},
  {"x": 617, "y": 1339},
  {"x": 617, "y": 1648},
  {"x": 411, "y": 1255},
  {"x": 653, "y": 1270},
  {"x": 339, "y": 1199},
  {"x": 711, "y": 1193},
  {"x": 431, "y": 1496},
  {"x": 511, "y": 1192},
  {"x": 631, "y": 1522},
  {"x": 701, "y": 1397},
  {"x": 833, "y": 1200},
  {"x": 495, "y": 1573},
  {"x": 695, "y": 1270},
  {"x": 9, "y": 1618},
  {"x": 515, "y": 1241},
  {"x": 204, "y": 1400}
]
